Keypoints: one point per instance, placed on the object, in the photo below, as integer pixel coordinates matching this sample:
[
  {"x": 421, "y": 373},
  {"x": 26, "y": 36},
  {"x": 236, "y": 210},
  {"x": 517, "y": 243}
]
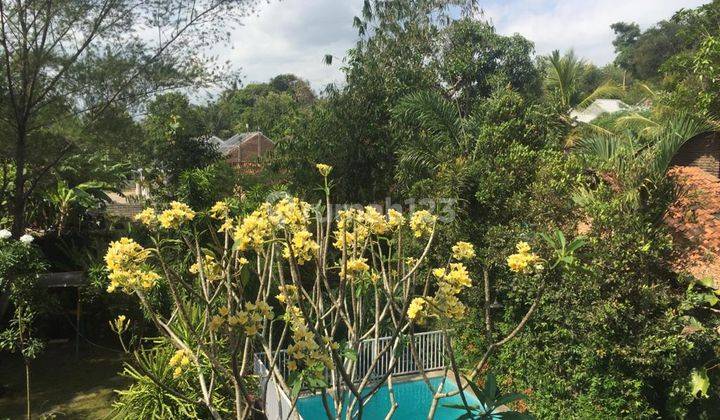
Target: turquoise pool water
[{"x": 413, "y": 398}]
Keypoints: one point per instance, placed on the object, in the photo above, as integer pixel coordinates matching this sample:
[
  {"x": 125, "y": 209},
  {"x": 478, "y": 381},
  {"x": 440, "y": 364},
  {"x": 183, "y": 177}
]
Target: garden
[{"x": 463, "y": 228}]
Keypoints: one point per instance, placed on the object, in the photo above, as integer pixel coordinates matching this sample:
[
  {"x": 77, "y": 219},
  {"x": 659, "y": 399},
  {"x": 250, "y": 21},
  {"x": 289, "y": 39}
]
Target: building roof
[
  {"x": 597, "y": 108},
  {"x": 225, "y": 146},
  {"x": 695, "y": 221}
]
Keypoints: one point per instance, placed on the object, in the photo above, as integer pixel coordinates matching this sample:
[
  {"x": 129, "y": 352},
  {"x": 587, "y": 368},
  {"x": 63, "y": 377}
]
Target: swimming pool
[{"x": 413, "y": 398}]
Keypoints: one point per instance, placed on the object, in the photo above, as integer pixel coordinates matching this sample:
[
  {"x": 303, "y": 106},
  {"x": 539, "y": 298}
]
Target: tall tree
[
  {"x": 72, "y": 60},
  {"x": 626, "y": 35}
]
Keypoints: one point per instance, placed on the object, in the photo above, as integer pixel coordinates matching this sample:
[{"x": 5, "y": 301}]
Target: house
[
  {"x": 597, "y": 108},
  {"x": 701, "y": 151},
  {"x": 131, "y": 199},
  {"x": 244, "y": 150}
]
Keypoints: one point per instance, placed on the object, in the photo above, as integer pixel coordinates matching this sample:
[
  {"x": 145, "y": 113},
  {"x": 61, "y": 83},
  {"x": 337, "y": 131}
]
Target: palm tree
[
  {"x": 443, "y": 140},
  {"x": 564, "y": 77},
  {"x": 632, "y": 164}
]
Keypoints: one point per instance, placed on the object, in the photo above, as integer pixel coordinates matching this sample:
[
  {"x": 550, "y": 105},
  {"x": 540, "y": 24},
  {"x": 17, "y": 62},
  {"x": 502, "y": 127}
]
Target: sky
[{"x": 293, "y": 36}]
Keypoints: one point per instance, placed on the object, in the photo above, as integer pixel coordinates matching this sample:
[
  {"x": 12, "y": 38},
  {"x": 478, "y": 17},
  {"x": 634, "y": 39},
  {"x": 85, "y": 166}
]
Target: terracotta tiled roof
[{"x": 695, "y": 220}]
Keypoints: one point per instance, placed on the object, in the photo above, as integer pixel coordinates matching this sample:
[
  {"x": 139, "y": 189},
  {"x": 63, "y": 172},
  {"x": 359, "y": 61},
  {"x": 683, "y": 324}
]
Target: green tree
[
  {"x": 626, "y": 36},
  {"x": 404, "y": 47},
  {"x": 69, "y": 61}
]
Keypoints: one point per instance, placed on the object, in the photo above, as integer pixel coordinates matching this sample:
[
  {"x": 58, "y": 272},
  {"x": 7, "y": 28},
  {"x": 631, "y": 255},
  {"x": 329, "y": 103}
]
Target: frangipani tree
[{"x": 290, "y": 276}]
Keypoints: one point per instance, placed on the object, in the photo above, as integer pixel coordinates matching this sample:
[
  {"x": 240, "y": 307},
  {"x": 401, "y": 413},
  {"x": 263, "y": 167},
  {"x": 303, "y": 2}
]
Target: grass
[{"x": 62, "y": 387}]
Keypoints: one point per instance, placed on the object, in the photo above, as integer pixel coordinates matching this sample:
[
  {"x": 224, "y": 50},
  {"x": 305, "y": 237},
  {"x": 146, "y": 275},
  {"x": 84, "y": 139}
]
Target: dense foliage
[{"x": 437, "y": 109}]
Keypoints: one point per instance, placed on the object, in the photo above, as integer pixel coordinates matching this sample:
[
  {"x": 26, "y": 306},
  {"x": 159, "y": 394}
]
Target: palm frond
[
  {"x": 602, "y": 148},
  {"x": 674, "y": 134},
  {"x": 607, "y": 90},
  {"x": 432, "y": 113},
  {"x": 596, "y": 129},
  {"x": 645, "y": 126}
]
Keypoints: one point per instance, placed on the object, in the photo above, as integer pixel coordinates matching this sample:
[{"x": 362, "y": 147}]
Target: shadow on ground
[{"x": 61, "y": 385}]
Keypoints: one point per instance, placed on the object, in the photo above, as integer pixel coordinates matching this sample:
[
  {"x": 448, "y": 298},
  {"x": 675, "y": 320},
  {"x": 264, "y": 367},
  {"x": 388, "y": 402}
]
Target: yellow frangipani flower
[
  {"x": 522, "y": 247},
  {"x": 323, "y": 169},
  {"x": 395, "y": 219},
  {"x": 463, "y": 251},
  {"x": 287, "y": 293},
  {"x": 125, "y": 260},
  {"x": 354, "y": 267},
  {"x": 179, "y": 360},
  {"x": 416, "y": 307},
  {"x": 303, "y": 246},
  {"x": 375, "y": 221},
  {"x": 422, "y": 223},
  {"x": 210, "y": 269},
  {"x": 219, "y": 210},
  {"x": 351, "y": 230},
  {"x": 176, "y": 215},
  {"x": 524, "y": 261},
  {"x": 147, "y": 217},
  {"x": 255, "y": 229}
]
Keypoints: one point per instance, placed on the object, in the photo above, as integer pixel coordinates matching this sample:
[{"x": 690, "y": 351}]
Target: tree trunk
[
  {"x": 18, "y": 213},
  {"x": 27, "y": 390}
]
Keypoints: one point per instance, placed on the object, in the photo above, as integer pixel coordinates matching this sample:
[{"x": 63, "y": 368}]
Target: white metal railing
[
  {"x": 430, "y": 352},
  {"x": 429, "y": 346}
]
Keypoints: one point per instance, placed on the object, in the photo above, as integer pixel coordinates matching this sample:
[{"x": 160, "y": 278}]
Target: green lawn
[{"x": 61, "y": 386}]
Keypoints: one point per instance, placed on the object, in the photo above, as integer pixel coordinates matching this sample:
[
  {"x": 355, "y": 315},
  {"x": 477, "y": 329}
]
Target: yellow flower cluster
[
  {"x": 180, "y": 361},
  {"x": 463, "y": 251},
  {"x": 255, "y": 228},
  {"x": 250, "y": 319},
  {"x": 306, "y": 351},
  {"x": 375, "y": 221},
  {"x": 303, "y": 246},
  {"x": 445, "y": 304},
  {"x": 124, "y": 260},
  {"x": 211, "y": 269},
  {"x": 288, "y": 293},
  {"x": 457, "y": 277},
  {"x": 524, "y": 261},
  {"x": 354, "y": 225},
  {"x": 422, "y": 223},
  {"x": 293, "y": 213},
  {"x": 147, "y": 217},
  {"x": 119, "y": 324},
  {"x": 220, "y": 210},
  {"x": 351, "y": 231},
  {"x": 395, "y": 219},
  {"x": 323, "y": 169},
  {"x": 176, "y": 215},
  {"x": 416, "y": 308},
  {"x": 355, "y": 266}
]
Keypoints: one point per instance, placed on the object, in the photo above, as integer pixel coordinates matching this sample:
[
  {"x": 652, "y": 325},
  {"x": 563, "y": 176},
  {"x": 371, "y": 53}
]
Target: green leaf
[
  {"x": 710, "y": 298},
  {"x": 507, "y": 399},
  {"x": 707, "y": 282},
  {"x": 699, "y": 382},
  {"x": 297, "y": 385}
]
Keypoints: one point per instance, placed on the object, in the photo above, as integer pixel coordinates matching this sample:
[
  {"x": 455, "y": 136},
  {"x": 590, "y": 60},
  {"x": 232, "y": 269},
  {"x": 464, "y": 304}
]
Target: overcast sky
[{"x": 292, "y": 36}]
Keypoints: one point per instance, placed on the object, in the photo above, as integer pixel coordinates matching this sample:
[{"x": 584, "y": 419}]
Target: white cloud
[
  {"x": 292, "y": 36},
  {"x": 579, "y": 24}
]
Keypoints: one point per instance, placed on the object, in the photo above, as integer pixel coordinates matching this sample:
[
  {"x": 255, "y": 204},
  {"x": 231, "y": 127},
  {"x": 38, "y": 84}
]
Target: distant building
[
  {"x": 244, "y": 150},
  {"x": 599, "y": 107}
]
